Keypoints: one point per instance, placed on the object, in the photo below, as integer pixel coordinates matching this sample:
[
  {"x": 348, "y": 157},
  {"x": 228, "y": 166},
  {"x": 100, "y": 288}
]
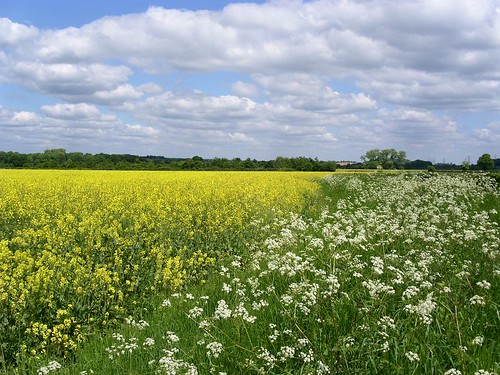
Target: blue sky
[{"x": 328, "y": 79}]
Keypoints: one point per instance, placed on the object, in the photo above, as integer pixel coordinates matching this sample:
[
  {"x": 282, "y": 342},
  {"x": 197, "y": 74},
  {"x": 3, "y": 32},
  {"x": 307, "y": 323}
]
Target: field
[{"x": 266, "y": 273}]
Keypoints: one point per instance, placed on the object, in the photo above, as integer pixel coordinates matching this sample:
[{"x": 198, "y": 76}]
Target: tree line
[
  {"x": 60, "y": 159},
  {"x": 373, "y": 159},
  {"x": 392, "y": 159}
]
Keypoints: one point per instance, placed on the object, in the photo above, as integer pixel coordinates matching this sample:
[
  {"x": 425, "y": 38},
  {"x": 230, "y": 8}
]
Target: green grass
[{"x": 385, "y": 274}]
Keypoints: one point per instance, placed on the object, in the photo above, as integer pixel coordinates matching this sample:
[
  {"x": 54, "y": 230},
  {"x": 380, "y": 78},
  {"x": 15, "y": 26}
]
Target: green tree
[
  {"x": 387, "y": 159},
  {"x": 485, "y": 162}
]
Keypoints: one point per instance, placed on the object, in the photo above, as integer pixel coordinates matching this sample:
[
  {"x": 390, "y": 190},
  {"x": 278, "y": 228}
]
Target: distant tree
[
  {"x": 387, "y": 159},
  {"x": 282, "y": 163},
  {"x": 485, "y": 162},
  {"x": 465, "y": 166},
  {"x": 417, "y": 164}
]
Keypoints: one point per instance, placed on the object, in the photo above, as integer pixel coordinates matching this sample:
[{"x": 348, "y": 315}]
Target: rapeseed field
[{"x": 81, "y": 250}]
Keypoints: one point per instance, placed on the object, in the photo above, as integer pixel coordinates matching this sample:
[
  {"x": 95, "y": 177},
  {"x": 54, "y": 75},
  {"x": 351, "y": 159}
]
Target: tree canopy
[
  {"x": 387, "y": 159},
  {"x": 60, "y": 159},
  {"x": 485, "y": 162}
]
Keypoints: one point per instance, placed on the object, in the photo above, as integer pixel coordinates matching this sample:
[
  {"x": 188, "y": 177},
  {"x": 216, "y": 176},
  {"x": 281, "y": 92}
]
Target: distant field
[{"x": 249, "y": 272}]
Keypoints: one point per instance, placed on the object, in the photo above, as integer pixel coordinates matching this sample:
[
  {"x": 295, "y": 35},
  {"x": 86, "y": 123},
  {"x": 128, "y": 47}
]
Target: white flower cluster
[
  {"x": 125, "y": 347},
  {"x": 214, "y": 349},
  {"x": 423, "y": 309},
  {"x": 412, "y": 357},
  {"x": 51, "y": 366},
  {"x": 170, "y": 365},
  {"x": 477, "y": 300},
  {"x": 222, "y": 311},
  {"x": 141, "y": 324}
]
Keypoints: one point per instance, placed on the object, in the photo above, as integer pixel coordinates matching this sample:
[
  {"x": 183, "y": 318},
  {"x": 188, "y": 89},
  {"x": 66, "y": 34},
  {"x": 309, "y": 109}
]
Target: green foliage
[
  {"x": 418, "y": 164},
  {"x": 387, "y": 159},
  {"x": 485, "y": 162},
  {"x": 60, "y": 159}
]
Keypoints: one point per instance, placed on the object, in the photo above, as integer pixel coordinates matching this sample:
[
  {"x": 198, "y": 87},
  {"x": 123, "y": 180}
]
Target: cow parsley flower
[
  {"x": 51, "y": 366},
  {"x": 412, "y": 357},
  {"x": 477, "y": 300},
  {"x": 478, "y": 340},
  {"x": 222, "y": 311},
  {"x": 214, "y": 349},
  {"x": 483, "y": 284}
]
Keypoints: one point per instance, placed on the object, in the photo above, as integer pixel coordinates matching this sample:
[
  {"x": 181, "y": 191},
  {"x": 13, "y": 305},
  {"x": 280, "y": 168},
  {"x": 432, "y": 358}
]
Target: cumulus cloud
[
  {"x": 245, "y": 89},
  {"x": 67, "y": 80},
  {"x": 12, "y": 33},
  {"x": 76, "y": 112},
  {"x": 24, "y": 118}
]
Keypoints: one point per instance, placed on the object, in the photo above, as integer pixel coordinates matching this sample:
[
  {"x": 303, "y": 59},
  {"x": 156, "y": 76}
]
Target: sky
[{"x": 330, "y": 78}]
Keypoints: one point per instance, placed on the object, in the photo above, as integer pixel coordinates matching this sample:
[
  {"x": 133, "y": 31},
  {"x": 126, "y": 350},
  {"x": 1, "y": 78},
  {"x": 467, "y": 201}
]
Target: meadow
[{"x": 265, "y": 273}]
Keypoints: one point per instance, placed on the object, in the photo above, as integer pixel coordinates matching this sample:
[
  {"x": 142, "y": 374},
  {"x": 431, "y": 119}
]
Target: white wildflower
[
  {"x": 483, "y": 372},
  {"x": 376, "y": 287},
  {"x": 141, "y": 324},
  {"x": 477, "y": 300},
  {"x": 483, "y": 284},
  {"x": 423, "y": 309},
  {"x": 195, "y": 312},
  {"x": 386, "y": 322},
  {"x": 308, "y": 356},
  {"x": 302, "y": 342},
  {"x": 171, "y": 337},
  {"x": 378, "y": 265},
  {"x": 222, "y": 311},
  {"x": 214, "y": 349},
  {"x": 410, "y": 292},
  {"x": 348, "y": 341},
  {"x": 285, "y": 353},
  {"x": 204, "y": 324},
  {"x": 385, "y": 346},
  {"x": 412, "y": 357},
  {"x": 478, "y": 340},
  {"x": 266, "y": 356},
  {"x": 51, "y": 366}
]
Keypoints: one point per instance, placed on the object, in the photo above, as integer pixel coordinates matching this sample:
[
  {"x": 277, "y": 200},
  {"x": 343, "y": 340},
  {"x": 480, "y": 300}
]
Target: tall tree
[
  {"x": 387, "y": 159},
  {"x": 485, "y": 162}
]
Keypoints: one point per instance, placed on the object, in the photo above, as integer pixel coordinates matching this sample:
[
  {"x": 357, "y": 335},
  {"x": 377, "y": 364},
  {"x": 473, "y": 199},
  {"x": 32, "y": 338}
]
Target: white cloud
[
  {"x": 240, "y": 137},
  {"x": 244, "y": 89},
  {"x": 489, "y": 134},
  {"x": 25, "y": 118},
  {"x": 118, "y": 95},
  {"x": 76, "y": 112},
  {"x": 142, "y": 130},
  {"x": 67, "y": 80},
  {"x": 12, "y": 33}
]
